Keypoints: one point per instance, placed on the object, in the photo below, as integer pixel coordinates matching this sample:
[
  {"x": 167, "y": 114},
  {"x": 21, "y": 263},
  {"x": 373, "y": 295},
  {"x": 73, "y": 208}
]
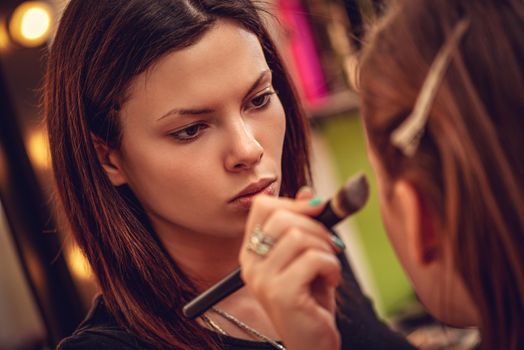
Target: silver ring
[{"x": 259, "y": 242}]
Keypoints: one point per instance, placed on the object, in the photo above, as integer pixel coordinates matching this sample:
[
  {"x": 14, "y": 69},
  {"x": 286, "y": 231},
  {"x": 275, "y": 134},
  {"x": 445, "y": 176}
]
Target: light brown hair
[{"x": 469, "y": 165}]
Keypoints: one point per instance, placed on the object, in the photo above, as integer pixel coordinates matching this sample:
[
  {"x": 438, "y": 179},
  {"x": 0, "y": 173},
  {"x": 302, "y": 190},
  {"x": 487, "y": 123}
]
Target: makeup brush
[{"x": 348, "y": 200}]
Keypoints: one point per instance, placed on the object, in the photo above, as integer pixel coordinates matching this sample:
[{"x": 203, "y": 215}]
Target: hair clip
[{"x": 407, "y": 136}]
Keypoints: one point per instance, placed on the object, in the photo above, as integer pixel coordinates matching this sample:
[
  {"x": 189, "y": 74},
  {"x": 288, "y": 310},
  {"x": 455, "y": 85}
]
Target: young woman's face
[{"x": 202, "y": 127}]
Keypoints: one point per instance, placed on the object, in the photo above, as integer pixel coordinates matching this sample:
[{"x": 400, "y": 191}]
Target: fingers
[
  {"x": 292, "y": 245},
  {"x": 262, "y": 270},
  {"x": 264, "y": 206},
  {"x": 290, "y": 234},
  {"x": 321, "y": 265},
  {"x": 280, "y": 221},
  {"x": 306, "y": 285},
  {"x": 305, "y": 193},
  {"x": 296, "y": 273},
  {"x": 310, "y": 267},
  {"x": 272, "y": 218},
  {"x": 293, "y": 234}
]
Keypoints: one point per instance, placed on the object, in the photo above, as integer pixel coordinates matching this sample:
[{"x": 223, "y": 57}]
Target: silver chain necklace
[{"x": 240, "y": 325}]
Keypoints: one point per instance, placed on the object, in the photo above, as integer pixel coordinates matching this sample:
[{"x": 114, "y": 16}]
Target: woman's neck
[{"x": 205, "y": 259}]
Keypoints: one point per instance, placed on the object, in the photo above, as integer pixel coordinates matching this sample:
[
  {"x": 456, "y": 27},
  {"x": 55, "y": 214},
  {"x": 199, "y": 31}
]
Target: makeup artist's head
[
  {"x": 454, "y": 210},
  {"x": 160, "y": 114}
]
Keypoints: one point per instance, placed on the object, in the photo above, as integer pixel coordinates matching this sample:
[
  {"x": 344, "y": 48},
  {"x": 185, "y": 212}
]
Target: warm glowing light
[
  {"x": 78, "y": 263},
  {"x": 31, "y": 23},
  {"x": 35, "y": 23},
  {"x": 4, "y": 37},
  {"x": 38, "y": 148}
]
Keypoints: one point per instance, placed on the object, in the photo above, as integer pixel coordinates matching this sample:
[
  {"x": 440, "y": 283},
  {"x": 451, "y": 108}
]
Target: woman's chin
[{"x": 451, "y": 315}]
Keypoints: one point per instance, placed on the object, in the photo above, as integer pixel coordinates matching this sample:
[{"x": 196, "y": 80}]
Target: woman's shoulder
[{"x": 99, "y": 330}]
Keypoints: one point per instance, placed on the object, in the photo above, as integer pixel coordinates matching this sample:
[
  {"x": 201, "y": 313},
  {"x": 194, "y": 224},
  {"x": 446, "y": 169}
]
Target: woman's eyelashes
[
  {"x": 189, "y": 133},
  {"x": 261, "y": 100}
]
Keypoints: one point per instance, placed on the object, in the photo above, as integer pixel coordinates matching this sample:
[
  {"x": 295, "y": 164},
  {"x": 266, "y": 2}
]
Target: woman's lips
[{"x": 245, "y": 201}]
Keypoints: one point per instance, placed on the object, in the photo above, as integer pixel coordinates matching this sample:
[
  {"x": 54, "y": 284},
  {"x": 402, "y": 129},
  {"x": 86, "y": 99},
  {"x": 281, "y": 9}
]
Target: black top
[{"x": 359, "y": 326}]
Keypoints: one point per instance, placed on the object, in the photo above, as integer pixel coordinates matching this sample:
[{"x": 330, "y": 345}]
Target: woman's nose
[{"x": 244, "y": 151}]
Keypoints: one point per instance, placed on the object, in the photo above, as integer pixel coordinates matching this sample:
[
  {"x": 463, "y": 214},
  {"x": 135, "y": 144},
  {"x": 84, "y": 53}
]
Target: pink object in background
[{"x": 304, "y": 52}]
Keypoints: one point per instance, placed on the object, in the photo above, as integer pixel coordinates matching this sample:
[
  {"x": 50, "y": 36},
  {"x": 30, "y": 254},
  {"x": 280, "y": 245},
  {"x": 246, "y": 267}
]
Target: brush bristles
[{"x": 351, "y": 197}]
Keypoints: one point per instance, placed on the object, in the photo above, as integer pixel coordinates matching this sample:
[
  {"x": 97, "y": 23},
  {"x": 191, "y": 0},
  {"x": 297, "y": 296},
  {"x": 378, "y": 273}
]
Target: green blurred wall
[{"x": 345, "y": 138}]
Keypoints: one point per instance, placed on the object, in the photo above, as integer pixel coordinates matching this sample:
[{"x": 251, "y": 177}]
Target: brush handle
[
  {"x": 233, "y": 282},
  {"x": 222, "y": 289},
  {"x": 327, "y": 216}
]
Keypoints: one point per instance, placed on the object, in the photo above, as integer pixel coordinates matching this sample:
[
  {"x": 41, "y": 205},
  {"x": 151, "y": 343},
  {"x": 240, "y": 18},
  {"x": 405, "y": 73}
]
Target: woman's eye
[
  {"x": 189, "y": 133},
  {"x": 260, "y": 101}
]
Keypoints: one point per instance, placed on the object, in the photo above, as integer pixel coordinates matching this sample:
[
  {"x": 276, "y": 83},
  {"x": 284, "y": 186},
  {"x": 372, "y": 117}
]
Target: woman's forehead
[
  {"x": 224, "y": 45},
  {"x": 223, "y": 64}
]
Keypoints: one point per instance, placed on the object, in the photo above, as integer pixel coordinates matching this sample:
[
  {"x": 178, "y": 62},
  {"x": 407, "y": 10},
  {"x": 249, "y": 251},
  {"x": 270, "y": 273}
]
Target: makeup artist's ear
[
  {"x": 419, "y": 224},
  {"x": 110, "y": 160}
]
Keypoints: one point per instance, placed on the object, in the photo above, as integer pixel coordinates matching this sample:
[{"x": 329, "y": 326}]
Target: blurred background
[{"x": 46, "y": 285}]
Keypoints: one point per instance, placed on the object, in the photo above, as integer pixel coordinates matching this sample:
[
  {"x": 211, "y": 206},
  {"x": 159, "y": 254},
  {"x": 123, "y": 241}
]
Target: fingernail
[
  {"x": 314, "y": 202},
  {"x": 305, "y": 189},
  {"x": 338, "y": 243}
]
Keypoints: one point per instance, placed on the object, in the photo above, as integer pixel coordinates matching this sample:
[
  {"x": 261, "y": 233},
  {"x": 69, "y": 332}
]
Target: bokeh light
[
  {"x": 78, "y": 263},
  {"x": 30, "y": 24},
  {"x": 38, "y": 148}
]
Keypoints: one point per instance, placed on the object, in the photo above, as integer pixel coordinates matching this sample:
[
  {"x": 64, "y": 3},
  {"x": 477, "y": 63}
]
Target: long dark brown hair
[
  {"x": 99, "y": 48},
  {"x": 469, "y": 166}
]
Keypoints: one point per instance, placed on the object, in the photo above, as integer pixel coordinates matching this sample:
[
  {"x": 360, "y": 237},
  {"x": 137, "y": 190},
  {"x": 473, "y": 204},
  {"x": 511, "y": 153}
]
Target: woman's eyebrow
[
  {"x": 199, "y": 111},
  {"x": 183, "y": 111}
]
